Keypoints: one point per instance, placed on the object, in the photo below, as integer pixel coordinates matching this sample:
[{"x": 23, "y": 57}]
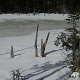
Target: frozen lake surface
[{"x": 10, "y": 28}]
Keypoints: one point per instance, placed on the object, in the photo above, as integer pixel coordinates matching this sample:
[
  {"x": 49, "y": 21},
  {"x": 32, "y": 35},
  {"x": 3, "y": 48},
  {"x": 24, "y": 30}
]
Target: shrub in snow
[
  {"x": 16, "y": 75},
  {"x": 70, "y": 40}
]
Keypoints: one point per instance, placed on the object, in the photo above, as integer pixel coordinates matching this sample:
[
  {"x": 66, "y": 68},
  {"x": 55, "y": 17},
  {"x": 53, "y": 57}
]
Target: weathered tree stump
[
  {"x": 43, "y": 45},
  {"x": 36, "y": 49},
  {"x": 12, "y": 52}
]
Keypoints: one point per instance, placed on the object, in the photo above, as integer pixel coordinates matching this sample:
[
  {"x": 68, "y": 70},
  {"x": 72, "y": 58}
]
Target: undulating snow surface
[{"x": 51, "y": 67}]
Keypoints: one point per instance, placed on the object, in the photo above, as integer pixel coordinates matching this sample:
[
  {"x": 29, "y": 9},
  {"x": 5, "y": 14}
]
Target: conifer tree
[{"x": 71, "y": 41}]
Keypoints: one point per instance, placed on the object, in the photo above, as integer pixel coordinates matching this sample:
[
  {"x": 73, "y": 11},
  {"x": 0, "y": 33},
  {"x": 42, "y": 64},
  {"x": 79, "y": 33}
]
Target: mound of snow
[{"x": 75, "y": 74}]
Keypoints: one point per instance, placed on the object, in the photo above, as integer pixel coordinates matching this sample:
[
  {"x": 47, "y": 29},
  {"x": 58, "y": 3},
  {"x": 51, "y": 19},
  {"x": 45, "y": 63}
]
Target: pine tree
[{"x": 71, "y": 41}]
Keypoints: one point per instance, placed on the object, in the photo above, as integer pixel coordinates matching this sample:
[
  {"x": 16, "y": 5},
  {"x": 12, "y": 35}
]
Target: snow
[
  {"x": 75, "y": 74},
  {"x": 4, "y": 17},
  {"x": 51, "y": 67}
]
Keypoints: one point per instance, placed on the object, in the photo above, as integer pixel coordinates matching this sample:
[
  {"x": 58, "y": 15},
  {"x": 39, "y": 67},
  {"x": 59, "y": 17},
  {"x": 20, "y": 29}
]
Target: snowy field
[
  {"x": 19, "y": 25},
  {"x": 41, "y": 16},
  {"x": 51, "y": 67}
]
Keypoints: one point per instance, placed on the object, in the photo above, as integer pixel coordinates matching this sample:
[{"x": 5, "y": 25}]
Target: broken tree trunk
[
  {"x": 43, "y": 45},
  {"x": 36, "y": 49},
  {"x": 42, "y": 53},
  {"x": 12, "y": 52}
]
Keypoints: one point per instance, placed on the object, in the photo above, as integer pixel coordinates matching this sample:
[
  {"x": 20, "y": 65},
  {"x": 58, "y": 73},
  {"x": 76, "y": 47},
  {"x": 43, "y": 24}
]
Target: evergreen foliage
[
  {"x": 40, "y": 6},
  {"x": 71, "y": 41}
]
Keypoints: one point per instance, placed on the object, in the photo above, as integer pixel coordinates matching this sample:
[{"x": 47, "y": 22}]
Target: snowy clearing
[
  {"x": 22, "y": 24},
  {"x": 51, "y": 67}
]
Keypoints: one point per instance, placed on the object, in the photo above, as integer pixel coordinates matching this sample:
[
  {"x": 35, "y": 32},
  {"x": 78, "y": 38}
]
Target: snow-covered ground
[
  {"x": 19, "y": 25},
  {"x": 51, "y": 67},
  {"x": 41, "y": 16}
]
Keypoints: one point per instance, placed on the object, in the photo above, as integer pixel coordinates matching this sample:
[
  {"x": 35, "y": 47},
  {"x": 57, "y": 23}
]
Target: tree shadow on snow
[
  {"x": 18, "y": 54},
  {"x": 39, "y": 69},
  {"x": 51, "y": 52},
  {"x": 63, "y": 76}
]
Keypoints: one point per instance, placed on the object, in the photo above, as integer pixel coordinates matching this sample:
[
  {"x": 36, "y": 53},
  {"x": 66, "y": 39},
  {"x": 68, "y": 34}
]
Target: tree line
[{"x": 39, "y": 6}]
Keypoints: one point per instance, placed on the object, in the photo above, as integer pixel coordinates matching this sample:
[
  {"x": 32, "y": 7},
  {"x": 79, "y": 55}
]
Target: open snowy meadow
[{"x": 19, "y": 30}]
